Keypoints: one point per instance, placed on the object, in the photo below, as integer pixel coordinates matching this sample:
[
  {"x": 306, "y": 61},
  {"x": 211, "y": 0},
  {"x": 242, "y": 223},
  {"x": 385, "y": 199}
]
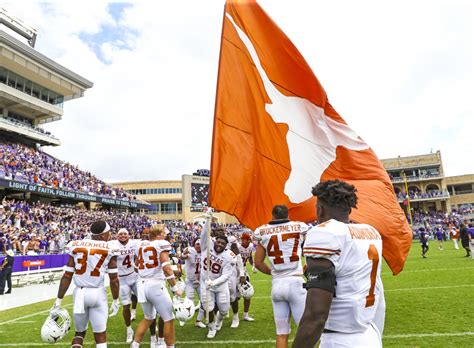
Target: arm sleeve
[
  {"x": 185, "y": 254},
  {"x": 165, "y": 246},
  {"x": 204, "y": 236},
  {"x": 68, "y": 249},
  {"x": 240, "y": 265},
  {"x": 226, "y": 273},
  {"x": 257, "y": 236}
]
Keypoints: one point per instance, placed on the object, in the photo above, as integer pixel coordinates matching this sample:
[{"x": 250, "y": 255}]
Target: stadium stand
[
  {"x": 38, "y": 228},
  {"x": 27, "y": 164}
]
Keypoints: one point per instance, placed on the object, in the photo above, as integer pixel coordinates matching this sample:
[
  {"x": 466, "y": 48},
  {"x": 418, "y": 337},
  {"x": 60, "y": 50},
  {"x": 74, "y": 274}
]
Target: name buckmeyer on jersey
[{"x": 268, "y": 229}]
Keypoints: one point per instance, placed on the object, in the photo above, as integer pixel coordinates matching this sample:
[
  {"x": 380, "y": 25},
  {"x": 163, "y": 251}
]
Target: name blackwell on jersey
[{"x": 86, "y": 244}]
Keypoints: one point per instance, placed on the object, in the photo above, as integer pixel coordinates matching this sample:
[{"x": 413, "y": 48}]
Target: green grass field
[{"x": 430, "y": 304}]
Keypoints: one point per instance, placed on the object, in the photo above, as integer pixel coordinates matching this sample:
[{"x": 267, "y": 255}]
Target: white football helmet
[
  {"x": 56, "y": 326},
  {"x": 183, "y": 308},
  {"x": 246, "y": 290}
]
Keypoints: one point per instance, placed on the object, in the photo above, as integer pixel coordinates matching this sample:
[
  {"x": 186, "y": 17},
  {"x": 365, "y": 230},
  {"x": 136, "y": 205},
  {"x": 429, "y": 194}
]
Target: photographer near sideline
[{"x": 6, "y": 272}]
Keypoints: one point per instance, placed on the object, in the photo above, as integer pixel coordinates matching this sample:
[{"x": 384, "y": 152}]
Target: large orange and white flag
[{"x": 276, "y": 136}]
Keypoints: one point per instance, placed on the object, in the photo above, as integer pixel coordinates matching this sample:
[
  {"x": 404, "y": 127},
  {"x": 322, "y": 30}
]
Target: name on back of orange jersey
[
  {"x": 82, "y": 243},
  {"x": 280, "y": 228},
  {"x": 363, "y": 233}
]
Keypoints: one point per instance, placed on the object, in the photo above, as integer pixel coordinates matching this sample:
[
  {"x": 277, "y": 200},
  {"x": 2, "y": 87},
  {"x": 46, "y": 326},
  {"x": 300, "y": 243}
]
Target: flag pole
[
  {"x": 408, "y": 197},
  {"x": 208, "y": 260}
]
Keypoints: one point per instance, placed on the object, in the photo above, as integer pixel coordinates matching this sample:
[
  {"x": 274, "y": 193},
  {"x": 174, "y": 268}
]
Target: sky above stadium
[{"x": 399, "y": 72}]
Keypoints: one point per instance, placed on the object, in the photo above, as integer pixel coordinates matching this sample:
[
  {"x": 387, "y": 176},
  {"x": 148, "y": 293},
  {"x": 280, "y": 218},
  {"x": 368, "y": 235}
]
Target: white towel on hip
[
  {"x": 79, "y": 301},
  {"x": 141, "y": 291}
]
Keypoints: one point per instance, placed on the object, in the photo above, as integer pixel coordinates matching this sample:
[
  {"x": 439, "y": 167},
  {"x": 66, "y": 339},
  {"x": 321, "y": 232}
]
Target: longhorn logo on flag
[{"x": 276, "y": 136}]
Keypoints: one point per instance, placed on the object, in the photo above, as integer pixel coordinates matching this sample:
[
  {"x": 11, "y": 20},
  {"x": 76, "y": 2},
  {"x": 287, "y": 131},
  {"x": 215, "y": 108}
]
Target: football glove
[
  {"x": 56, "y": 305},
  {"x": 208, "y": 213},
  {"x": 209, "y": 284}
]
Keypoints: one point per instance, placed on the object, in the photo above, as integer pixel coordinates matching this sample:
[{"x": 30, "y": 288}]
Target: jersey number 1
[{"x": 374, "y": 256}]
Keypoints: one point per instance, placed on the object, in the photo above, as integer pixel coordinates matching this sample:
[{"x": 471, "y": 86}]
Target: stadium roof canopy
[{"x": 9, "y": 42}]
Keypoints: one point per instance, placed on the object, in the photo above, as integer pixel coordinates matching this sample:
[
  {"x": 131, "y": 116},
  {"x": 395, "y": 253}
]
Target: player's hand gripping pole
[{"x": 208, "y": 258}]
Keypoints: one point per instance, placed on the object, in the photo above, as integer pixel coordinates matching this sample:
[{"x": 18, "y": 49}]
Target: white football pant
[
  {"x": 288, "y": 298},
  {"x": 368, "y": 339},
  {"x": 95, "y": 309},
  {"x": 219, "y": 296},
  {"x": 157, "y": 300}
]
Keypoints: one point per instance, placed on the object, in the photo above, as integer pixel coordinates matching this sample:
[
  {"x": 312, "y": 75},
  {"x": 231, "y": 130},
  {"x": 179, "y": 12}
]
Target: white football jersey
[
  {"x": 192, "y": 265},
  {"x": 356, "y": 252},
  {"x": 246, "y": 253},
  {"x": 148, "y": 258},
  {"x": 125, "y": 255},
  {"x": 91, "y": 258},
  {"x": 218, "y": 263},
  {"x": 282, "y": 243}
]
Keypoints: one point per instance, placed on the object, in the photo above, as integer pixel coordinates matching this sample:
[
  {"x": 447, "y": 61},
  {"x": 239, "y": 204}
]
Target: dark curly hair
[{"x": 337, "y": 194}]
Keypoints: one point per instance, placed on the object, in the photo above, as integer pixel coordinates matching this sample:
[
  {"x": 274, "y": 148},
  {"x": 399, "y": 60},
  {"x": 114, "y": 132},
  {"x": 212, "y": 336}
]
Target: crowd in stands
[
  {"x": 39, "y": 228},
  {"x": 434, "y": 221},
  {"x": 420, "y": 175},
  {"x": 22, "y": 163},
  {"x": 418, "y": 195}
]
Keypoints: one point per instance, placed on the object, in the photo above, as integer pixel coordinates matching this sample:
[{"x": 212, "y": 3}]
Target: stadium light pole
[{"x": 408, "y": 197}]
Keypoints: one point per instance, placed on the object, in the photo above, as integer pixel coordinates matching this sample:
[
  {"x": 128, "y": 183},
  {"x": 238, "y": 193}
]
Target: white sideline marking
[
  {"x": 431, "y": 270},
  {"x": 28, "y": 316},
  {"x": 406, "y": 289},
  {"x": 26, "y": 322},
  {"x": 403, "y": 272},
  {"x": 433, "y": 334},
  {"x": 433, "y": 287},
  {"x": 208, "y": 342}
]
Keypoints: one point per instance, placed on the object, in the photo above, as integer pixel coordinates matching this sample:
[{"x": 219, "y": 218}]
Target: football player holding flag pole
[{"x": 217, "y": 267}]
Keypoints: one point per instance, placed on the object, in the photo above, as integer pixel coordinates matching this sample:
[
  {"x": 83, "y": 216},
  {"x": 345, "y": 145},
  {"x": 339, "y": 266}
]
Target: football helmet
[
  {"x": 56, "y": 326},
  {"x": 246, "y": 290},
  {"x": 183, "y": 308}
]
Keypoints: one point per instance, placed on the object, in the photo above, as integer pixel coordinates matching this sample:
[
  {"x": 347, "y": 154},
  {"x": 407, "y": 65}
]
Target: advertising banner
[
  {"x": 82, "y": 197},
  {"x": 34, "y": 263}
]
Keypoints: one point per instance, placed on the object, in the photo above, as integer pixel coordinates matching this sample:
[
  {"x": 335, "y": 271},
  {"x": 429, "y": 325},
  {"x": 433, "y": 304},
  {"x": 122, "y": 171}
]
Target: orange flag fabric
[{"x": 276, "y": 136}]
